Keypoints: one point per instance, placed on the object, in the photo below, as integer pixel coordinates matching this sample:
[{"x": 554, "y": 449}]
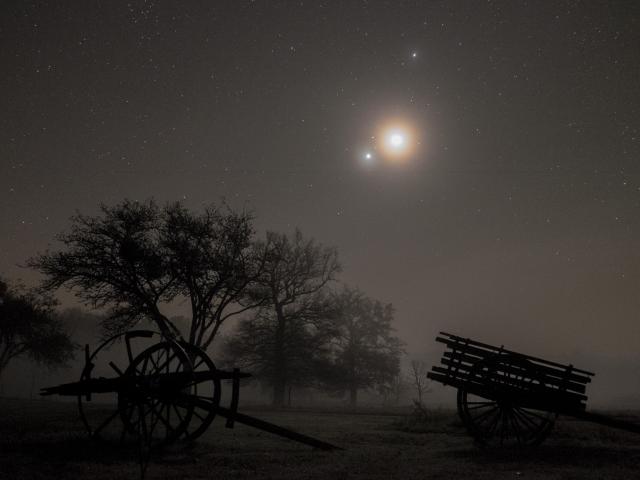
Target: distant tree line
[
  {"x": 30, "y": 327},
  {"x": 296, "y": 328}
]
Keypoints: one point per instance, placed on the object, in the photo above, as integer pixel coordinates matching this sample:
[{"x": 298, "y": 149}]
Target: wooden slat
[
  {"x": 465, "y": 370},
  {"x": 461, "y": 340},
  {"x": 471, "y": 356},
  {"x": 471, "y": 350},
  {"x": 464, "y": 376},
  {"x": 543, "y": 401},
  {"x": 466, "y": 362}
]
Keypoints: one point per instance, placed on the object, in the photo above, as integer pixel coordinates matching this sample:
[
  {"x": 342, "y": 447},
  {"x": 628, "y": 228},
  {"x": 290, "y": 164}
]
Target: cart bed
[{"x": 485, "y": 369}]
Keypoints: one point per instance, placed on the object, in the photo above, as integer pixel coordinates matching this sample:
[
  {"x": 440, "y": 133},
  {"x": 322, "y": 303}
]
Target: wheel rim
[
  {"x": 100, "y": 412},
  {"x": 205, "y": 390},
  {"x": 500, "y": 416}
]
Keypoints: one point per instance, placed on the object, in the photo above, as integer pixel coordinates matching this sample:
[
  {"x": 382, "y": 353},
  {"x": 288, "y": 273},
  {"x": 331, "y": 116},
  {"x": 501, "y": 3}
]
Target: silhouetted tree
[
  {"x": 286, "y": 337},
  {"x": 255, "y": 346},
  {"x": 30, "y": 326},
  {"x": 366, "y": 352},
  {"x": 134, "y": 258},
  {"x": 419, "y": 370},
  {"x": 393, "y": 390}
]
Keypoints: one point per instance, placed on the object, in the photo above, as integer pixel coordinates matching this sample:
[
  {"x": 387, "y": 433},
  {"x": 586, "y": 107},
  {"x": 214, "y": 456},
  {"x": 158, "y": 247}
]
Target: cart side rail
[
  {"x": 455, "y": 340},
  {"x": 485, "y": 369}
]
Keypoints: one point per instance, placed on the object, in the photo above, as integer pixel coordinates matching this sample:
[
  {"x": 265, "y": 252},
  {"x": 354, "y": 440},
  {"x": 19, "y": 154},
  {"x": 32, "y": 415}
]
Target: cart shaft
[
  {"x": 275, "y": 429},
  {"x": 605, "y": 420}
]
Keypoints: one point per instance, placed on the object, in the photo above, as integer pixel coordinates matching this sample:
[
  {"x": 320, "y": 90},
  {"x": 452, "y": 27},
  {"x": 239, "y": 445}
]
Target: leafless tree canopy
[
  {"x": 292, "y": 325},
  {"x": 30, "y": 326},
  {"x": 419, "y": 370},
  {"x": 134, "y": 257}
]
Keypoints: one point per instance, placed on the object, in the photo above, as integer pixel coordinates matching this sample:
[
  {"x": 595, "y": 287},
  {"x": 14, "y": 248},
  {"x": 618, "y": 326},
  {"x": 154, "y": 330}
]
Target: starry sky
[{"x": 516, "y": 220}]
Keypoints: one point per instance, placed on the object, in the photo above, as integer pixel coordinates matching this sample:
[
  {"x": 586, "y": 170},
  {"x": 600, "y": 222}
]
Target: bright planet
[{"x": 398, "y": 140}]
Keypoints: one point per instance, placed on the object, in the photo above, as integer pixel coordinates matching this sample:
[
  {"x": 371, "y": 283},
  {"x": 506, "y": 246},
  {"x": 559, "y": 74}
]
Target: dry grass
[{"x": 43, "y": 440}]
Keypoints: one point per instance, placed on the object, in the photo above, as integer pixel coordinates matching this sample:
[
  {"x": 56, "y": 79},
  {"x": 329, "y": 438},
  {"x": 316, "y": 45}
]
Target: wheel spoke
[
  {"x": 165, "y": 365},
  {"x": 524, "y": 428},
  {"x": 155, "y": 423},
  {"x": 515, "y": 427},
  {"x": 525, "y": 418},
  {"x": 493, "y": 426},
  {"x": 497, "y": 418},
  {"x": 529, "y": 412},
  {"x": 144, "y": 366},
  {"x": 198, "y": 415},
  {"x": 106, "y": 422},
  {"x": 484, "y": 405},
  {"x": 485, "y": 414},
  {"x": 142, "y": 426},
  {"x": 116, "y": 368},
  {"x": 163, "y": 420},
  {"x": 503, "y": 427},
  {"x": 175, "y": 409},
  {"x": 200, "y": 362}
]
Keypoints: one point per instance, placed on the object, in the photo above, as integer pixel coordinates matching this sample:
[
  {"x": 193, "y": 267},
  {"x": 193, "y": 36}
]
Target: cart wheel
[
  {"x": 149, "y": 404},
  {"x": 205, "y": 388},
  {"x": 492, "y": 405},
  {"x": 100, "y": 410}
]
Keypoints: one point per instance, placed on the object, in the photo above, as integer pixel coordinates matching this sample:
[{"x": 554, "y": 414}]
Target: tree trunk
[{"x": 279, "y": 374}]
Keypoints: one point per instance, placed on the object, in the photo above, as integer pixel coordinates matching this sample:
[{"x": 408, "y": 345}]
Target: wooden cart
[
  {"x": 508, "y": 398},
  {"x": 169, "y": 390}
]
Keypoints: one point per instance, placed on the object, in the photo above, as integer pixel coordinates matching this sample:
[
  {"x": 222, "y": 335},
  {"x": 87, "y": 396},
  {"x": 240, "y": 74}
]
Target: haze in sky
[{"x": 476, "y": 164}]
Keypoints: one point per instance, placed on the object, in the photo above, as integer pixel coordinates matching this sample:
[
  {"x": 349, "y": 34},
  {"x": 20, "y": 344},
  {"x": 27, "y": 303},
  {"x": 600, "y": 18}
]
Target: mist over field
[{"x": 361, "y": 239}]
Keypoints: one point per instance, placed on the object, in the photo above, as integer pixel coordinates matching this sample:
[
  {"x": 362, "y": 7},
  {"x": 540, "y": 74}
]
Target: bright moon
[{"x": 398, "y": 141}]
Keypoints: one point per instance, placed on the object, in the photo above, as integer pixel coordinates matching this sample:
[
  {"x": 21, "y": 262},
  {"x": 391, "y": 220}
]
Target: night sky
[{"x": 515, "y": 219}]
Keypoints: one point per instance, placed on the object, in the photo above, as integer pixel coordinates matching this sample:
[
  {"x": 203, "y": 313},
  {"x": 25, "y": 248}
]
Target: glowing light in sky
[
  {"x": 394, "y": 141},
  {"x": 368, "y": 159},
  {"x": 398, "y": 140}
]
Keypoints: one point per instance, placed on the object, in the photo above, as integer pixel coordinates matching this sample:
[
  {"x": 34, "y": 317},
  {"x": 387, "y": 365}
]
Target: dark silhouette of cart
[
  {"x": 169, "y": 390},
  {"x": 506, "y": 398}
]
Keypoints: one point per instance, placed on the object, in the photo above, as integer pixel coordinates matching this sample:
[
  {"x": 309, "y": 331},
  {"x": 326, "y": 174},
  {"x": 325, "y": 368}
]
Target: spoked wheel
[
  {"x": 149, "y": 402},
  {"x": 496, "y": 405},
  {"x": 100, "y": 410},
  {"x": 203, "y": 392}
]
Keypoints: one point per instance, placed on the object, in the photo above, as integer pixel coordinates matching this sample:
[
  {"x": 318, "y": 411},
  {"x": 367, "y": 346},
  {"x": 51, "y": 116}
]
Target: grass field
[{"x": 45, "y": 440}]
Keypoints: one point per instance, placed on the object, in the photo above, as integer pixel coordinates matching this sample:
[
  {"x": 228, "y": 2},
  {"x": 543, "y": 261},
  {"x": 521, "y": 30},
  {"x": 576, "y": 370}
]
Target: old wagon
[
  {"x": 154, "y": 390},
  {"x": 506, "y": 398}
]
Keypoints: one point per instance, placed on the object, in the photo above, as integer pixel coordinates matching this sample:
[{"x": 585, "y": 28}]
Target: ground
[{"x": 45, "y": 439}]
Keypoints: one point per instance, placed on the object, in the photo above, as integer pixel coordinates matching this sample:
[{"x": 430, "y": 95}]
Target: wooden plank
[
  {"x": 551, "y": 382},
  {"x": 187, "y": 399},
  {"x": 472, "y": 351},
  {"x": 552, "y": 403},
  {"x": 552, "y": 392},
  {"x": 461, "y": 340},
  {"x": 277, "y": 430},
  {"x": 468, "y": 363},
  {"x": 470, "y": 356}
]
